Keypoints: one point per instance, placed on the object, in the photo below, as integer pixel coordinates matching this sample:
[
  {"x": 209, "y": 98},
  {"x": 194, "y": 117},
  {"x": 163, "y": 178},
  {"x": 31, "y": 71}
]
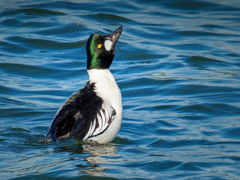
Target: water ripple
[{"x": 176, "y": 63}]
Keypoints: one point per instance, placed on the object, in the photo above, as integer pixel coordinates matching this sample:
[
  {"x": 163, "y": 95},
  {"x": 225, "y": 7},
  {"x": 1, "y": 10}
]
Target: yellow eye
[{"x": 99, "y": 46}]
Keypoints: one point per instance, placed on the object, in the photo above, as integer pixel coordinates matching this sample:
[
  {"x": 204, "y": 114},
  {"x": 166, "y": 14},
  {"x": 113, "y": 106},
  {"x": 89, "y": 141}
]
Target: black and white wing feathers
[
  {"x": 82, "y": 116},
  {"x": 101, "y": 122}
]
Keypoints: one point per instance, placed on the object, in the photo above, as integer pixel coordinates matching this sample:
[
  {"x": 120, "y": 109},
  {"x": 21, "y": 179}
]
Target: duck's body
[
  {"x": 107, "y": 88},
  {"x": 94, "y": 112}
]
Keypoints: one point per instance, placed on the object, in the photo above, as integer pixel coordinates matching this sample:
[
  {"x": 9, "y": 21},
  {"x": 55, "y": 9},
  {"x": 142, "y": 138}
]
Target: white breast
[{"x": 107, "y": 88}]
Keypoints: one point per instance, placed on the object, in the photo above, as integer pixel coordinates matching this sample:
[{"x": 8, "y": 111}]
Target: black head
[{"x": 100, "y": 49}]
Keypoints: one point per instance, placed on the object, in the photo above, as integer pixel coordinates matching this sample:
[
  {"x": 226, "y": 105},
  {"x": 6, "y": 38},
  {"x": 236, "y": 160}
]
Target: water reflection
[
  {"x": 100, "y": 155},
  {"x": 97, "y": 157}
]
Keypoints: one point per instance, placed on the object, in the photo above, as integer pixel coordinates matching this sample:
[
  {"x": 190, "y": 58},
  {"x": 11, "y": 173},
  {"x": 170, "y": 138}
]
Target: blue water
[{"x": 177, "y": 64}]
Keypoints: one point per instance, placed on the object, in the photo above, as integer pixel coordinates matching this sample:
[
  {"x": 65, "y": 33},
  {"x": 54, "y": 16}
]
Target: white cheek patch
[{"x": 108, "y": 45}]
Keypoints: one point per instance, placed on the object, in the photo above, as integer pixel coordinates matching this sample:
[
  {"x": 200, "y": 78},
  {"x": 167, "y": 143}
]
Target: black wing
[
  {"x": 100, "y": 121},
  {"x": 63, "y": 121},
  {"x": 83, "y": 115}
]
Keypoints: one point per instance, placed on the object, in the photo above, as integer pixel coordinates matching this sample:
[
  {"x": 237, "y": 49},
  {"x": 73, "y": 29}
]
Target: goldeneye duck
[{"x": 94, "y": 112}]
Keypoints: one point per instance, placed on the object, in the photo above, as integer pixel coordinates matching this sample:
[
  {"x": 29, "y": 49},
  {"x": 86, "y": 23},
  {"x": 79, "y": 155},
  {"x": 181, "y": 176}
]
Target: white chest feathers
[{"x": 106, "y": 87}]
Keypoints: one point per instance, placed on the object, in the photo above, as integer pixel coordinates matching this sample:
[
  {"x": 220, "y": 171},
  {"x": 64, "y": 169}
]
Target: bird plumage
[{"x": 94, "y": 112}]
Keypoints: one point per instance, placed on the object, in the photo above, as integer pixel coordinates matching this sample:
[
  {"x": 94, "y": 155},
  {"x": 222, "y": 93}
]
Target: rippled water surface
[{"x": 177, "y": 64}]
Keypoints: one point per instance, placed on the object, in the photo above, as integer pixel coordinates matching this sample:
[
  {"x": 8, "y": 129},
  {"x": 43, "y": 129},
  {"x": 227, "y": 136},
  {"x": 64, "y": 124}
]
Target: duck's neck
[
  {"x": 106, "y": 86},
  {"x": 100, "y": 75}
]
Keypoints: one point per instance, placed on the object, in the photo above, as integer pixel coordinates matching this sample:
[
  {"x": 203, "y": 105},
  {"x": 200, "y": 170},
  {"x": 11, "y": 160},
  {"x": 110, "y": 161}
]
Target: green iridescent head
[{"x": 100, "y": 49}]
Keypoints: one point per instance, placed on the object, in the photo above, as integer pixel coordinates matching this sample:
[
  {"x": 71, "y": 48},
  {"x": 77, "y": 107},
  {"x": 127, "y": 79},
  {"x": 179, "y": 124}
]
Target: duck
[{"x": 94, "y": 113}]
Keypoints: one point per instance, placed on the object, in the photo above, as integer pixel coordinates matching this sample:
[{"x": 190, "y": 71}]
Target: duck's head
[{"x": 100, "y": 49}]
